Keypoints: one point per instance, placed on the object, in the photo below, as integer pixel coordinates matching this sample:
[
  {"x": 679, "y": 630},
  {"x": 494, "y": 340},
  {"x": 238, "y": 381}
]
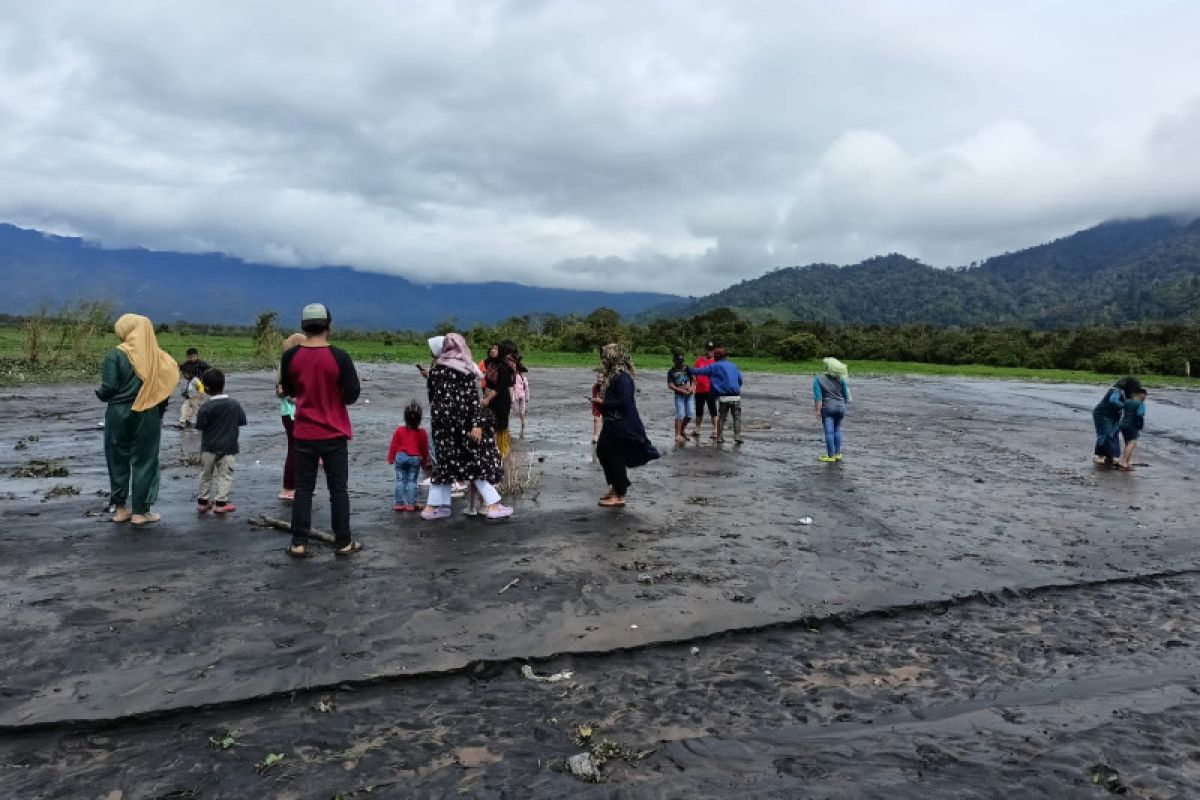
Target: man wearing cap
[
  {"x": 323, "y": 381},
  {"x": 704, "y": 393},
  {"x": 727, "y": 386}
]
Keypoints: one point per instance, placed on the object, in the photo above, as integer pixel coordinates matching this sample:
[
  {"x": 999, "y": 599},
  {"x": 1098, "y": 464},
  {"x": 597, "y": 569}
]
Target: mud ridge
[{"x": 840, "y": 619}]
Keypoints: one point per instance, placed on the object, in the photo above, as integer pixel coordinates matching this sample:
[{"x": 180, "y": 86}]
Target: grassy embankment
[{"x": 237, "y": 352}]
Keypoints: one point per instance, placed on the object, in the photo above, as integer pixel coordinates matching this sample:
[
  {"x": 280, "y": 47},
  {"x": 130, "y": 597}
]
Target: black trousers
[
  {"x": 611, "y": 456},
  {"x": 336, "y": 457}
]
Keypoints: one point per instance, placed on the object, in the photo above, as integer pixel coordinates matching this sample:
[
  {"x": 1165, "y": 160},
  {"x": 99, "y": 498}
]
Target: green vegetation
[
  {"x": 1110, "y": 276},
  {"x": 69, "y": 346}
]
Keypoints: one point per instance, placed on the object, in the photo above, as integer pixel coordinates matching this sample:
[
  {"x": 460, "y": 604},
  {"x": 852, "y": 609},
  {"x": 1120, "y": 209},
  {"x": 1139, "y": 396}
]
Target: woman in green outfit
[{"x": 136, "y": 379}]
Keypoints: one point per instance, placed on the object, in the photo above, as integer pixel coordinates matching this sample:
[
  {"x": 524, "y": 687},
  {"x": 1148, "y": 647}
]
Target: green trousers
[{"x": 131, "y": 441}]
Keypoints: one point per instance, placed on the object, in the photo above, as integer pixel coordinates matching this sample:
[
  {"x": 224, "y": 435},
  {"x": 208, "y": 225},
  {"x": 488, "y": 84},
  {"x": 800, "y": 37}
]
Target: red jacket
[
  {"x": 410, "y": 441},
  {"x": 703, "y": 384}
]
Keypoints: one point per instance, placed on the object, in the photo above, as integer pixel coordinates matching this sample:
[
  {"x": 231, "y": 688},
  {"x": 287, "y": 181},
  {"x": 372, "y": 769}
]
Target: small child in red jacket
[{"x": 409, "y": 452}]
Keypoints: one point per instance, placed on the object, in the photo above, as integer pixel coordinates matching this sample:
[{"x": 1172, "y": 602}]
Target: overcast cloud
[{"x": 678, "y": 146}]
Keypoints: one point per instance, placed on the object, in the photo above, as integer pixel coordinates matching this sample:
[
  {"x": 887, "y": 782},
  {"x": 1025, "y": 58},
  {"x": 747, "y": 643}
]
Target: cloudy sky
[{"x": 676, "y": 146}]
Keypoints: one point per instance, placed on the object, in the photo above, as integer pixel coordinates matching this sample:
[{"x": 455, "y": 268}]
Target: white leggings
[{"x": 439, "y": 493}]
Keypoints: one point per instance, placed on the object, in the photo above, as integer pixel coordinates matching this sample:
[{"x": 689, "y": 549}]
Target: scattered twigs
[{"x": 264, "y": 521}]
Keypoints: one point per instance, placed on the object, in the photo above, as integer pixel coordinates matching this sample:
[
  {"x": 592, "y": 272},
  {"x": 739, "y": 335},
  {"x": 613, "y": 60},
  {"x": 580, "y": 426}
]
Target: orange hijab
[{"x": 158, "y": 371}]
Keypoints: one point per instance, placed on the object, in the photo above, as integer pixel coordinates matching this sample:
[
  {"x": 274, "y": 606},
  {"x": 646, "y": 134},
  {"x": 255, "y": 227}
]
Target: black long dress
[
  {"x": 453, "y": 411},
  {"x": 623, "y": 442}
]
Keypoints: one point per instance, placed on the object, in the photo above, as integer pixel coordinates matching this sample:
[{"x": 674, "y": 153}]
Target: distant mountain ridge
[
  {"x": 40, "y": 270},
  {"x": 1114, "y": 274}
]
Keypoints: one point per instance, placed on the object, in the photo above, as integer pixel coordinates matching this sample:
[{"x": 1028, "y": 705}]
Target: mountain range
[
  {"x": 38, "y": 270},
  {"x": 1117, "y": 273}
]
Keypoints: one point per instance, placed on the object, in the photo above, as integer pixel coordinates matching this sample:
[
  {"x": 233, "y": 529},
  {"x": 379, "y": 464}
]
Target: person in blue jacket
[
  {"x": 831, "y": 392},
  {"x": 623, "y": 442},
  {"x": 1107, "y": 418},
  {"x": 726, "y": 380}
]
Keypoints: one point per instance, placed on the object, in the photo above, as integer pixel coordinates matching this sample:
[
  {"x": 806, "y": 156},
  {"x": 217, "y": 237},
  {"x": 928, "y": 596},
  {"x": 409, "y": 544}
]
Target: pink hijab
[{"x": 457, "y": 356}]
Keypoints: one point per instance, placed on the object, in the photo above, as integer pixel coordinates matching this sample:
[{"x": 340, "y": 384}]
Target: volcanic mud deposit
[{"x": 975, "y": 611}]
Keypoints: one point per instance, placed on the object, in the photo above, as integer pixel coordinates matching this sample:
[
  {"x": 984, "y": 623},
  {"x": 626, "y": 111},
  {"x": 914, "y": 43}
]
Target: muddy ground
[{"x": 975, "y": 611}]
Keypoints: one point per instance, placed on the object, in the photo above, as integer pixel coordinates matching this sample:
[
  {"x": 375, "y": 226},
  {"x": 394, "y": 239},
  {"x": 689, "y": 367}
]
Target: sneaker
[
  {"x": 287, "y": 494},
  {"x": 203, "y": 506},
  {"x": 499, "y": 512},
  {"x": 225, "y": 508},
  {"x": 437, "y": 512},
  {"x": 471, "y": 511},
  {"x": 827, "y": 459},
  {"x": 838, "y": 457},
  {"x": 399, "y": 507},
  {"x": 411, "y": 508}
]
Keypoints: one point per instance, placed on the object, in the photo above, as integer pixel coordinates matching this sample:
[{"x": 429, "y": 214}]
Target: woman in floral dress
[{"x": 456, "y": 423}]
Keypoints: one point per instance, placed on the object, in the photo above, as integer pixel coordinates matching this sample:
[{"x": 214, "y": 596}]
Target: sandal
[
  {"x": 298, "y": 551},
  {"x": 144, "y": 520},
  {"x": 615, "y": 501},
  {"x": 349, "y": 549}
]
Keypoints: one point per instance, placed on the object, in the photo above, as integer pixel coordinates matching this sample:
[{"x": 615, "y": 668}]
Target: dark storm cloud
[{"x": 616, "y": 144}]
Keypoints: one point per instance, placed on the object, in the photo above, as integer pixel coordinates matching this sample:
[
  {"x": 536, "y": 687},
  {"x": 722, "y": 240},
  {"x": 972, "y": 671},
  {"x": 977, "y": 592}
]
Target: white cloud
[{"x": 620, "y": 144}]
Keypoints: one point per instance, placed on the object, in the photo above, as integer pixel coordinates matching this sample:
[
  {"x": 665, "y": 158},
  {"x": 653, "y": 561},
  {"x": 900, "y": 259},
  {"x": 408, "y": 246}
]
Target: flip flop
[
  {"x": 305, "y": 553},
  {"x": 353, "y": 548}
]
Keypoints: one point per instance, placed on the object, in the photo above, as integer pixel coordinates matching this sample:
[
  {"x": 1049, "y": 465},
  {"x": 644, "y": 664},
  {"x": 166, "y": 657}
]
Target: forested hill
[{"x": 1114, "y": 274}]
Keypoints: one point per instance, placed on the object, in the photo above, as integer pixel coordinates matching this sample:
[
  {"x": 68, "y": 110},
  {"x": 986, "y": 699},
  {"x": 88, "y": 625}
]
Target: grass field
[{"x": 237, "y": 352}]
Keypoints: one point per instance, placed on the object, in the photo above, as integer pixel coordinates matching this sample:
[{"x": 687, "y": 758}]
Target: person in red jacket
[
  {"x": 322, "y": 381},
  {"x": 409, "y": 453},
  {"x": 704, "y": 393}
]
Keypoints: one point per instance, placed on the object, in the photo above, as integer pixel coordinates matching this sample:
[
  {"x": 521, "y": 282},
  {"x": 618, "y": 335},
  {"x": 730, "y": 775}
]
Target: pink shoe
[
  {"x": 287, "y": 494},
  {"x": 499, "y": 512},
  {"x": 438, "y": 512},
  {"x": 203, "y": 506},
  {"x": 399, "y": 507},
  {"x": 224, "y": 508}
]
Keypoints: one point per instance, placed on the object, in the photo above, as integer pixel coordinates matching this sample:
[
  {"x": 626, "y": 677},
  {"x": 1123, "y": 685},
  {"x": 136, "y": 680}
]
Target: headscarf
[
  {"x": 435, "y": 345},
  {"x": 158, "y": 371},
  {"x": 614, "y": 358},
  {"x": 835, "y": 368},
  {"x": 457, "y": 356}
]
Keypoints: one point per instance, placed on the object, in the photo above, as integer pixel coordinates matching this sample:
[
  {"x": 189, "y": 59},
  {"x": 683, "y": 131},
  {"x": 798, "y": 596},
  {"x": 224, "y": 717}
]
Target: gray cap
[{"x": 314, "y": 312}]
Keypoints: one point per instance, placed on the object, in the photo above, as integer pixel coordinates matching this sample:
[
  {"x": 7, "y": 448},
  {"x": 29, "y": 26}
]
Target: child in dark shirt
[
  {"x": 1133, "y": 418},
  {"x": 683, "y": 389},
  {"x": 218, "y": 422},
  {"x": 409, "y": 452}
]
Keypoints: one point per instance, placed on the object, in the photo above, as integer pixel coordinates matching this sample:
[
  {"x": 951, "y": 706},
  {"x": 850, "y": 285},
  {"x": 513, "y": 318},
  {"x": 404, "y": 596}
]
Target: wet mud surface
[{"x": 892, "y": 648}]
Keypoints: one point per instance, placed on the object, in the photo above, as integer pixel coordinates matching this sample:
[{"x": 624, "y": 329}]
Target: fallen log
[{"x": 264, "y": 521}]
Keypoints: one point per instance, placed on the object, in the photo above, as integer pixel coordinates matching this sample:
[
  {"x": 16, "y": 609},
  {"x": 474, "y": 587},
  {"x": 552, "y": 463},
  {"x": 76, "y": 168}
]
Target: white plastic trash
[{"x": 805, "y": 520}]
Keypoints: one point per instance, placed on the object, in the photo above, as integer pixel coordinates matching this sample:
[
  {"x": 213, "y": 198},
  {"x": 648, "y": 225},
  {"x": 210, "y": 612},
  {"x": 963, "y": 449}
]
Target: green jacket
[{"x": 118, "y": 382}]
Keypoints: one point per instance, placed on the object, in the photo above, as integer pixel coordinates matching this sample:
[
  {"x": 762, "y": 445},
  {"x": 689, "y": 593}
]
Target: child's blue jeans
[
  {"x": 408, "y": 472},
  {"x": 832, "y": 418}
]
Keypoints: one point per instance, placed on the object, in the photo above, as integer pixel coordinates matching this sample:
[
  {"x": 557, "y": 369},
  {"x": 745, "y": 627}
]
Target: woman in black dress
[
  {"x": 623, "y": 442},
  {"x": 500, "y": 376},
  {"x": 456, "y": 420}
]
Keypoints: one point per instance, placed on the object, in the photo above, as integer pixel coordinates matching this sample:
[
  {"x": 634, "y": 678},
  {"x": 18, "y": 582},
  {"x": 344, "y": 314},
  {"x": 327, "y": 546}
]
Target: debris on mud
[
  {"x": 1109, "y": 778},
  {"x": 273, "y": 523},
  {"x": 509, "y": 585},
  {"x": 582, "y": 765},
  {"x": 189, "y": 460},
  {"x": 37, "y": 468},
  {"x": 59, "y": 490},
  {"x": 24, "y": 442},
  {"x": 267, "y": 763},
  {"x": 527, "y": 671},
  {"x": 229, "y": 740}
]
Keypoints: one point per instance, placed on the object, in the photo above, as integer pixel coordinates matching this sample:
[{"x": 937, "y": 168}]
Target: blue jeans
[
  {"x": 408, "y": 472},
  {"x": 685, "y": 406},
  {"x": 832, "y": 418}
]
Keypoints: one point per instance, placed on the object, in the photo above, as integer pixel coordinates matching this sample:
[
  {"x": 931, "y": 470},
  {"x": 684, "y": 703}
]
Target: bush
[{"x": 798, "y": 347}]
